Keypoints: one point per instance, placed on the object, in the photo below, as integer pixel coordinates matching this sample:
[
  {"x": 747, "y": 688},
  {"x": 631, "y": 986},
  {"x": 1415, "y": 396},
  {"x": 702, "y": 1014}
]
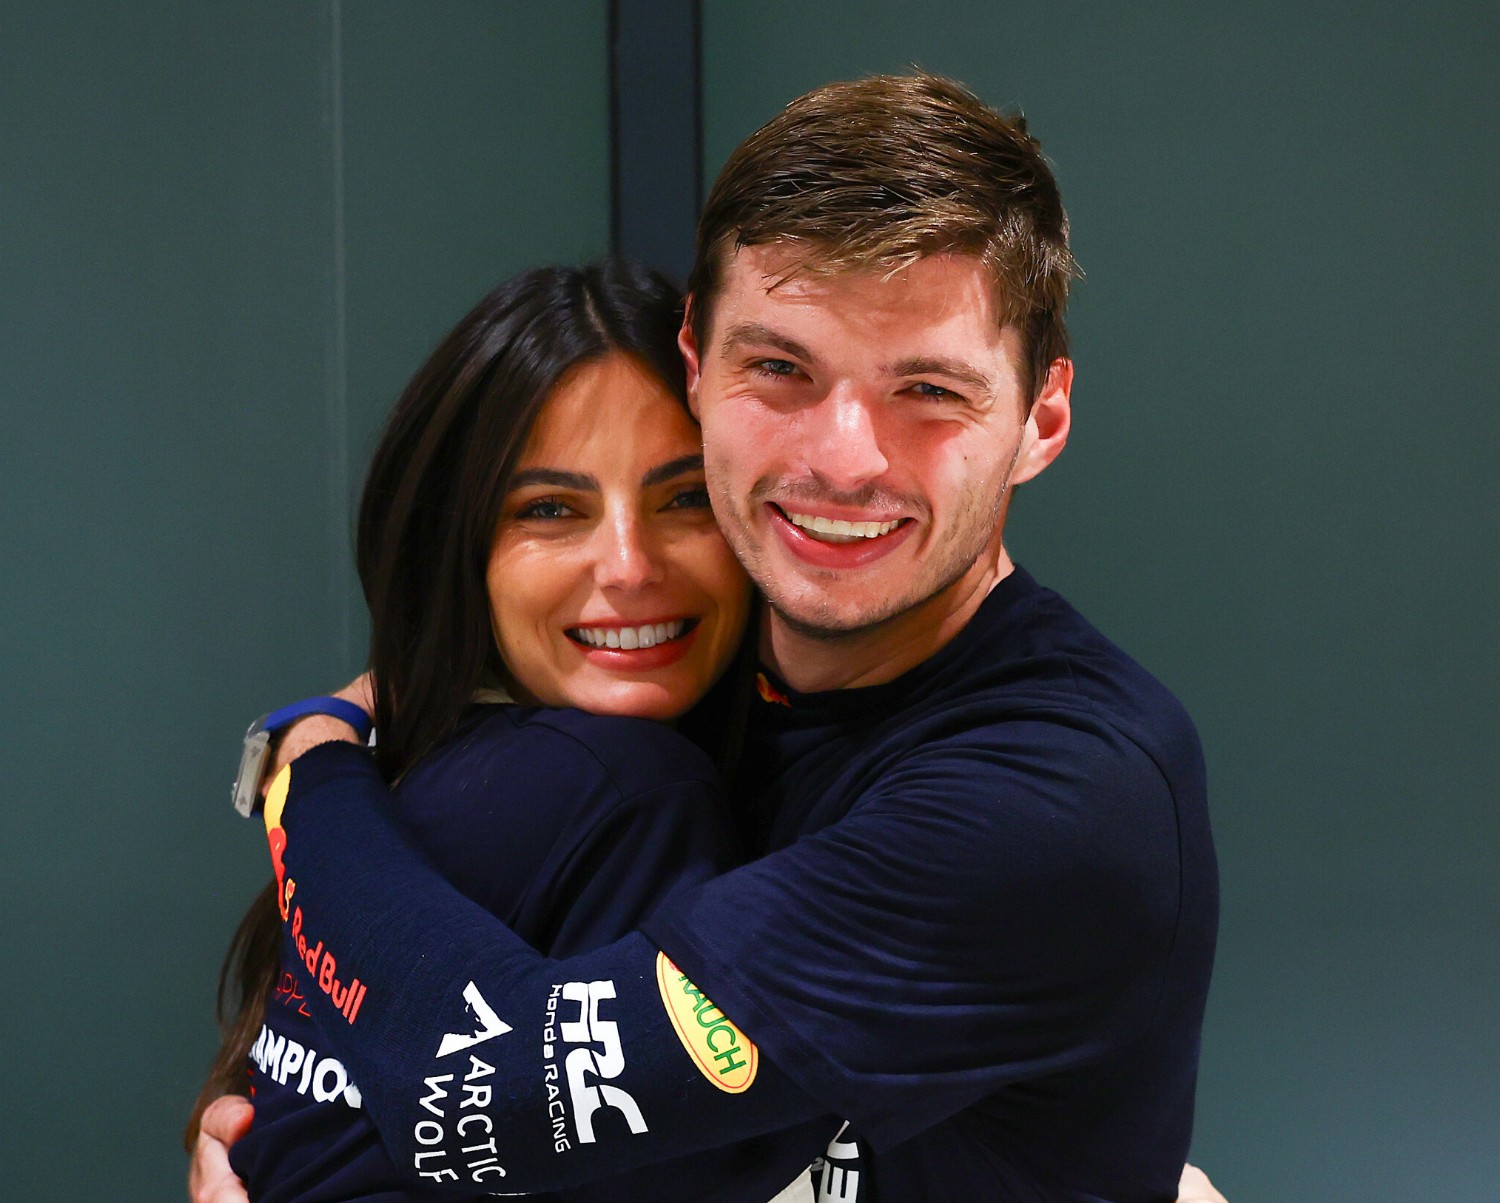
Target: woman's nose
[{"x": 626, "y": 557}]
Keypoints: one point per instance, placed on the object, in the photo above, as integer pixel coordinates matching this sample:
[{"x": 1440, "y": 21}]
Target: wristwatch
[{"x": 245, "y": 793}]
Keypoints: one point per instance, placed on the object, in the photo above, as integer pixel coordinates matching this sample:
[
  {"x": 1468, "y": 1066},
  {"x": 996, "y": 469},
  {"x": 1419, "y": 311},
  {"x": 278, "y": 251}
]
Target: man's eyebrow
[
  {"x": 680, "y": 466},
  {"x": 554, "y": 478},
  {"x": 753, "y": 333},
  {"x": 952, "y": 368}
]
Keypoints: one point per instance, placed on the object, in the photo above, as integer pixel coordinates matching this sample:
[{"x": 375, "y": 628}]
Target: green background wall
[
  {"x": 229, "y": 231},
  {"x": 1274, "y": 497}
]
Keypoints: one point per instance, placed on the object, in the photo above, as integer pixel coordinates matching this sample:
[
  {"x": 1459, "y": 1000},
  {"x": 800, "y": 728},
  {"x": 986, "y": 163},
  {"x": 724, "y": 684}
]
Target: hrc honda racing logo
[{"x": 595, "y": 1058}]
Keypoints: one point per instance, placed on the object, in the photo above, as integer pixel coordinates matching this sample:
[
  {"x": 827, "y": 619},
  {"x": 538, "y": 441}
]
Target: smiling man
[
  {"x": 862, "y": 432},
  {"x": 983, "y": 926}
]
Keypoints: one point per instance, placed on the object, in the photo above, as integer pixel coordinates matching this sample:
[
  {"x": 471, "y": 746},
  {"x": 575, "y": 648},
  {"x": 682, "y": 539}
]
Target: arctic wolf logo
[{"x": 488, "y": 1025}]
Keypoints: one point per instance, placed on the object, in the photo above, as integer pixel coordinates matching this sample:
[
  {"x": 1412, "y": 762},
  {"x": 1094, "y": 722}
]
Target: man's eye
[
  {"x": 925, "y": 388},
  {"x": 776, "y": 367},
  {"x": 544, "y": 509},
  {"x": 694, "y": 497}
]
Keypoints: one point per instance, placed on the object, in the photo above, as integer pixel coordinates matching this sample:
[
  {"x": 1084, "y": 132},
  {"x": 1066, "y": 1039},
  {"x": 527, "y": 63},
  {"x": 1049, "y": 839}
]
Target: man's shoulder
[{"x": 1031, "y": 655}]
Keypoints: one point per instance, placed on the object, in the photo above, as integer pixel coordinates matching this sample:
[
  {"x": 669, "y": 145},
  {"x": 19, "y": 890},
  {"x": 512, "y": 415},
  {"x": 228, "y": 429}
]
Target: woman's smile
[{"x": 610, "y": 586}]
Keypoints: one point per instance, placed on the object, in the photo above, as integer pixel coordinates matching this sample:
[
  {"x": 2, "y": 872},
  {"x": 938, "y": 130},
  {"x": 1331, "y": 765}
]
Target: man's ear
[
  {"x": 687, "y": 343},
  {"x": 1046, "y": 431}
]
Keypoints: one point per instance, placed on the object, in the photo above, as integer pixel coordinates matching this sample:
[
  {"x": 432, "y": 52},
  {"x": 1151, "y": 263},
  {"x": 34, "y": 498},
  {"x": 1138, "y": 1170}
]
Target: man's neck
[{"x": 810, "y": 664}]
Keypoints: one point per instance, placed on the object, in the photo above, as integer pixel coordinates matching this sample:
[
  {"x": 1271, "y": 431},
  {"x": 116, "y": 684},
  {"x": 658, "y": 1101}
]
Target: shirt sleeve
[
  {"x": 987, "y": 914},
  {"x": 629, "y": 862},
  {"x": 482, "y": 1063}
]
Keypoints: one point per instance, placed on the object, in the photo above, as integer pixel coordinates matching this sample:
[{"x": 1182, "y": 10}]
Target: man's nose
[
  {"x": 845, "y": 446},
  {"x": 626, "y": 556}
]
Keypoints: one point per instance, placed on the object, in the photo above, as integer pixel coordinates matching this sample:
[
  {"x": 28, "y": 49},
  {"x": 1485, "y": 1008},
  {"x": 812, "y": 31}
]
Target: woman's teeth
[
  {"x": 628, "y": 639},
  {"x": 836, "y": 530}
]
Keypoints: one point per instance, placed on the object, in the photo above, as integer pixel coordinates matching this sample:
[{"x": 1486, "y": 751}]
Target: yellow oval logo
[{"x": 719, "y": 1049}]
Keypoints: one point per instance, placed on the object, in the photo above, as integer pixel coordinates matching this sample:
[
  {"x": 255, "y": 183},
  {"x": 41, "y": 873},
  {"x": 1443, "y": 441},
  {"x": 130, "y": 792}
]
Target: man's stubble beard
[{"x": 823, "y": 623}]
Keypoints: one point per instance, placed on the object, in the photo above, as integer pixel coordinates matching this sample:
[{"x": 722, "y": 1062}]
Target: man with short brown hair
[{"x": 984, "y": 924}]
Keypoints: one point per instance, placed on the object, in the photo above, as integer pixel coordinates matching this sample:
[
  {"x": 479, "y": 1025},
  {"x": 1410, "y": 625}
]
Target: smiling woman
[
  {"x": 610, "y": 586},
  {"x": 535, "y": 526}
]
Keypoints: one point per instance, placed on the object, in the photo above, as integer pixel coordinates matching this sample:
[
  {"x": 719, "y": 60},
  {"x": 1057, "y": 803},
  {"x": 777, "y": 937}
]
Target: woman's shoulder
[
  {"x": 638, "y": 754},
  {"x": 635, "y": 755}
]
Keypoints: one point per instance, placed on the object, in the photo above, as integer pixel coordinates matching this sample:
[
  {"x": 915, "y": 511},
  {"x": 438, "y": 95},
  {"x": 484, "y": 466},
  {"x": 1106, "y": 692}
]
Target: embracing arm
[
  {"x": 849, "y": 954},
  {"x": 483, "y": 1063}
]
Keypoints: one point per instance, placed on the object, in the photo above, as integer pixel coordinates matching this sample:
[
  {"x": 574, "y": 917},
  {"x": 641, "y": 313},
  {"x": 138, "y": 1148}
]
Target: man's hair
[{"x": 877, "y": 173}]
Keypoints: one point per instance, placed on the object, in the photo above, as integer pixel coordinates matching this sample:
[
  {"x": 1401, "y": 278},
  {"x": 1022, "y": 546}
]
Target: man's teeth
[
  {"x": 628, "y": 639},
  {"x": 836, "y": 530}
]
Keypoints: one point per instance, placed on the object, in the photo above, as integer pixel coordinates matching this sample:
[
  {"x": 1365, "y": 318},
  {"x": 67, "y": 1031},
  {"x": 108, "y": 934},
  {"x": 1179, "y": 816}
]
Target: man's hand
[
  {"x": 1194, "y": 1187},
  {"x": 318, "y": 729},
  {"x": 210, "y": 1180}
]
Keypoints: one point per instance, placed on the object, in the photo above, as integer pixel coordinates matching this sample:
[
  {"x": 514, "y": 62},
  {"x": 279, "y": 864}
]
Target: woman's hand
[
  {"x": 210, "y": 1180},
  {"x": 1193, "y": 1188}
]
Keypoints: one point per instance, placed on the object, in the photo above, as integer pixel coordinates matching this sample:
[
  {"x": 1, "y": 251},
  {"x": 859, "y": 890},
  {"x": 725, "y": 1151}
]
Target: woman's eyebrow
[
  {"x": 556, "y": 479},
  {"x": 673, "y": 467}
]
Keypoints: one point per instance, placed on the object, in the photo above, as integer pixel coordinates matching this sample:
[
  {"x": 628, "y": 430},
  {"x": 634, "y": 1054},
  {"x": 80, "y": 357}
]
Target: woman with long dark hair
[{"x": 543, "y": 574}]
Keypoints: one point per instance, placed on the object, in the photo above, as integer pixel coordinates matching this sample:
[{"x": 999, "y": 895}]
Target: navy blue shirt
[
  {"x": 982, "y": 934},
  {"x": 986, "y": 935},
  {"x": 567, "y": 826}
]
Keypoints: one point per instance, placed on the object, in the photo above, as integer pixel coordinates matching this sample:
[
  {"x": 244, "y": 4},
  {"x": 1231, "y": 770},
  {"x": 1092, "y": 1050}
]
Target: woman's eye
[
  {"x": 543, "y": 509},
  {"x": 695, "y": 497}
]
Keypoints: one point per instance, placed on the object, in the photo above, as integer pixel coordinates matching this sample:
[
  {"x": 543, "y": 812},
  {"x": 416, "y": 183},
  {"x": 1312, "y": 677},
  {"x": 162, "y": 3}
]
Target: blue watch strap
[{"x": 337, "y": 708}]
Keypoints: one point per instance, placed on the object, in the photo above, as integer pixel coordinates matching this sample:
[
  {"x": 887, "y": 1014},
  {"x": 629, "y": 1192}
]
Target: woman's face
[{"x": 610, "y": 586}]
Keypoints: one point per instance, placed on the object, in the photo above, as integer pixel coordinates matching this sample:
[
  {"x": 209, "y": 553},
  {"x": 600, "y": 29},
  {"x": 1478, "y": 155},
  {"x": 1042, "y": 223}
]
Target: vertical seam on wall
[
  {"x": 698, "y": 197},
  {"x": 612, "y": 67},
  {"x": 336, "y": 416}
]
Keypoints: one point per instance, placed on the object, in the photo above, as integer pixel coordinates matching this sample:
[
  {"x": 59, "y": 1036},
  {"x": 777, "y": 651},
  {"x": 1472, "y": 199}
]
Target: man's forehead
[
  {"x": 776, "y": 265},
  {"x": 779, "y": 289}
]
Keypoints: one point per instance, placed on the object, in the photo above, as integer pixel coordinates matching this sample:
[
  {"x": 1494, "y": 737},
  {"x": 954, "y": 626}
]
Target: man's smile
[
  {"x": 839, "y": 530},
  {"x": 838, "y": 543}
]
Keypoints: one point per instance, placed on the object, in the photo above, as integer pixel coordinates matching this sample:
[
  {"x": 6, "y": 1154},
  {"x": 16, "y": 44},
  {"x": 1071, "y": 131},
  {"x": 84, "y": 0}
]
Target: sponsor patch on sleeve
[
  {"x": 276, "y": 835},
  {"x": 718, "y": 1048}
]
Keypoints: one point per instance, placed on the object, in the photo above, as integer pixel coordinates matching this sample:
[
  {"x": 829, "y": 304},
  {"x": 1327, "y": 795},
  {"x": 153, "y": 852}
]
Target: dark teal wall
[
  {"x": 1276, "y": 498},
  {"x": 228, "y": 232}
]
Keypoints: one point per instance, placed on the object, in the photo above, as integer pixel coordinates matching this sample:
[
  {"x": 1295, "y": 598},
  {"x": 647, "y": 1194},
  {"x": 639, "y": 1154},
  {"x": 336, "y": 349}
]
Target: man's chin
[{"x": 828, "y": 623}]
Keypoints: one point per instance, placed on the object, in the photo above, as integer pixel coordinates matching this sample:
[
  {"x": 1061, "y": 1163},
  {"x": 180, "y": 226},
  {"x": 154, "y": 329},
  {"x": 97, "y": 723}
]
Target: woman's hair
[{"x": 426, "y": 526}]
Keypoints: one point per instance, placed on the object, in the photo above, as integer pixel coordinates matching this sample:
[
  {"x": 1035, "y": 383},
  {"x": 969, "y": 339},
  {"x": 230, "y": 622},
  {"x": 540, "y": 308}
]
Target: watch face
[{"x": 246, "y": 790}]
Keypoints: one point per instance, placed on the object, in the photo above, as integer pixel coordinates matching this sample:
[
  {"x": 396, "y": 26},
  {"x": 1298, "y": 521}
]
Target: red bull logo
[
  {"x": 276, "y": 837},
  {"x": 768, "y": 691},
  {"x": 320, "y": 962}
]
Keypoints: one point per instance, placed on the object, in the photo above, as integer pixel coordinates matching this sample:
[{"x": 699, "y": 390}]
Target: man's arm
[
  {"x": 887, "y": 1031},
  {"x": 378, "y": 910}
]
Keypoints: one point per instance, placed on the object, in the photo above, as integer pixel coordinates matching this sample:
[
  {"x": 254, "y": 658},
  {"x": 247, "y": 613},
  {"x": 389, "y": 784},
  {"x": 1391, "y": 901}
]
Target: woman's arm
[{"x": 520, "y": 1078}]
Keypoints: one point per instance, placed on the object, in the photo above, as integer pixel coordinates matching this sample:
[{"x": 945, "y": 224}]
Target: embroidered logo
[
  {"x": 719, "y": 1049},
  {"x": 768, "y": 692}
]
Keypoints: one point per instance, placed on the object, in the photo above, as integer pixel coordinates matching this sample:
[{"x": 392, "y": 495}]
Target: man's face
[{"x": 861, "y": 433}]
